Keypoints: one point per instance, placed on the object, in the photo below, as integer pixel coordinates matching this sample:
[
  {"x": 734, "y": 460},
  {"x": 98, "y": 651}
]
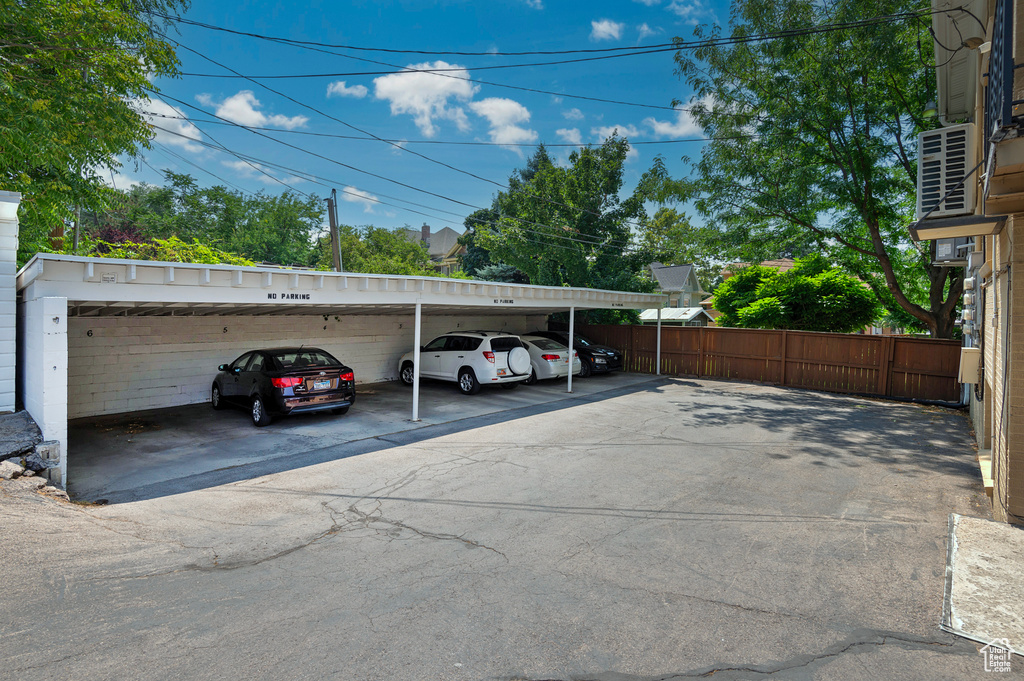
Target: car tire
[
  {"x": 340, "y": 411},
  {"x": 585, "y": 369},
  {"x": 406, "y": 374},
  {"x": 216, "y": 399},
  {"x": 511, "y": 385},
  {"x": 260, "y": 416},
  {"x": 532, "y": 378},
  {"x": 468, "y": 383}
]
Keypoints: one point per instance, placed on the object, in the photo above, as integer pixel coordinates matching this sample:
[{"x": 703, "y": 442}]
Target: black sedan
[
  {"x": 594, "y": 358},
  {"x": 284, "y": 381}
]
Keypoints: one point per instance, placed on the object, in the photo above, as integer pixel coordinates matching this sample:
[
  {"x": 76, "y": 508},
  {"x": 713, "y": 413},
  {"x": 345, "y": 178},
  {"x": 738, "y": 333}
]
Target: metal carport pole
[
  {"x": 659, "y": 343},
  {"x": 416, "y": 365},
  {"x": 572, "y": 320}
]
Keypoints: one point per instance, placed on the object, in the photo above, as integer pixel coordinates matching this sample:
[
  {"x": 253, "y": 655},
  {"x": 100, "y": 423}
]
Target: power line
[
  {"x": 322, "y": 182},
  {"x": 365, "y": 132},
  {"x": 439, "y": 142}
]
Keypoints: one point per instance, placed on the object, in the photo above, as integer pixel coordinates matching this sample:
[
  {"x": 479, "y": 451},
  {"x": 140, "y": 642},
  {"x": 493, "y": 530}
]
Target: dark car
[
  {"x": 284, "y": 381},
  {"x": 596, "y": 359}
]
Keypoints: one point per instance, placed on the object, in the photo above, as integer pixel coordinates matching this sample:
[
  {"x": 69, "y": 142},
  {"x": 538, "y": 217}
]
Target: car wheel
[
  {"x": 510, "y": 386},
  {"x": 532, "y": 378},
  {"x": 216, "y": 399},
  {"x": 407, "y": 373},
  {"x": 468, "y": 383},
  {"x": 340, "y": 411},
  {"x": 260, "y": 417},
  {"x": 585, "y": 369}
]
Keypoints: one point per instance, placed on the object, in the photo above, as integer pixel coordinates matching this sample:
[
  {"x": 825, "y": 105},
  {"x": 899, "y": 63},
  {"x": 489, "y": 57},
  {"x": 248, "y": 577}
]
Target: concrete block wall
[
  {"x": 8, "y": 295},
  {"x": 122, "y": 364}
]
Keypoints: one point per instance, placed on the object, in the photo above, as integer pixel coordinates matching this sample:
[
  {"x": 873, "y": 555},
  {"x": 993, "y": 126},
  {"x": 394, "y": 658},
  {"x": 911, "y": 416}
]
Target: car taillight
[
  {"x": 286, "y": 382},
  {"x": 550, "y": 358},
  {"x": 348, "y": 376},
  {"x": 575, "y": 355},
  {"x": 489, "y": 356}
]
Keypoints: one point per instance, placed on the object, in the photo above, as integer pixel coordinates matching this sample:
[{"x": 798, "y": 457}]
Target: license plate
[
  {"x": 501, "y": 372},
  {"x": 321, "y": 385}
]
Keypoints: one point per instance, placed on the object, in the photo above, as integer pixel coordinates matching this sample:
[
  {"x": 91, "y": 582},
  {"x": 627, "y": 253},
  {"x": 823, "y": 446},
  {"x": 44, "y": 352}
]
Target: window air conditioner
[{"x": 944, "y": 157}]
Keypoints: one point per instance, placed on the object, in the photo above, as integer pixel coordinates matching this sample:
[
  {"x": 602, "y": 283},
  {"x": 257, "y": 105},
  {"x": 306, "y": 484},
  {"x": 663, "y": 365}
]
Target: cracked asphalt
[{"x": 666, "y": 530}]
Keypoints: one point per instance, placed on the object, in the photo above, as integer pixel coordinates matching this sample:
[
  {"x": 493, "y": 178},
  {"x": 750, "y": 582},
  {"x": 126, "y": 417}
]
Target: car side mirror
[{"x": 222, "y": 367}]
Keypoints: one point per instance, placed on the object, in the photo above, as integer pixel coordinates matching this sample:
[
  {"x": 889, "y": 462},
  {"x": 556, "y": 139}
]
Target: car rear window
[
  {"x": 299, "y": 359},
  {"x": 547, "y": 344},
  {"x": 505, "y": 343}
]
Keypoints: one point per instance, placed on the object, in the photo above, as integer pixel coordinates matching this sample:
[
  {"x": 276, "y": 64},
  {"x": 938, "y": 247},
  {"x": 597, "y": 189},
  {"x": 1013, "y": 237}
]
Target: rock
[
  {"x": 34, "y": 482},
  {"x": 36, "y": 463},
  {"x": 10, "y": 470},
  {"x": 27, "y": 473},
  {"x": 18, "y": 434}
]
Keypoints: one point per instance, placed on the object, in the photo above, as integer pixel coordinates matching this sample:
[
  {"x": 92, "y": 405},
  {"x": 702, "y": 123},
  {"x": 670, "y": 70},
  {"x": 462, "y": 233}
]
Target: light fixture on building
[
  {"x": 968, "y": 225},
  {"x": 931, "y": 110}
]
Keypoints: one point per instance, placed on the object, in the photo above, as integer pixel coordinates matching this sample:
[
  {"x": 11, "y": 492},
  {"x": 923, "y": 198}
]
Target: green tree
[
  {"x": 810, "y": 297},
  {"x": 70, "y": 73},
  {"x": 814, "y": 142},
  {"x": 375, "y": 250},
  {"x": 568, "y": 226}
]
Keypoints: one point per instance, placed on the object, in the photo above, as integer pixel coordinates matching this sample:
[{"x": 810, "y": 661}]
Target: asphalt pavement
[{"x": 663, "y": 529}]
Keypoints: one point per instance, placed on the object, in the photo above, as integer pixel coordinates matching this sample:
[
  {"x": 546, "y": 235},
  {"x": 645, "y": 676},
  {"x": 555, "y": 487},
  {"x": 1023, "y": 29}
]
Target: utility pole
[{"x": 332, "y": 216}]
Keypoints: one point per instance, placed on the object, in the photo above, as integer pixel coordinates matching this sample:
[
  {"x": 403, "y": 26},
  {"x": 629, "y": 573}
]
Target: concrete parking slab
[
  {"x": 669, "y": 529},
  {"x": 166, "y": 451}
]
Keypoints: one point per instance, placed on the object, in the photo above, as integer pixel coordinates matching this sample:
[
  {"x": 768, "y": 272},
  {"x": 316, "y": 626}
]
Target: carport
[{"x": 100, "y": 336}]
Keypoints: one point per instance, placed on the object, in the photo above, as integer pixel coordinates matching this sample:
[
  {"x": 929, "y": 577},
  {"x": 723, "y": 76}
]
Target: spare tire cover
[{"x": 519, "y": 361}]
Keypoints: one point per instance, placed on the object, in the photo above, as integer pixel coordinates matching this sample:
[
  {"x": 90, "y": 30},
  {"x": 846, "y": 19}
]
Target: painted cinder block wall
[
  {"x": 9, "y": 202},
  {"x": 122, "y": 364}
]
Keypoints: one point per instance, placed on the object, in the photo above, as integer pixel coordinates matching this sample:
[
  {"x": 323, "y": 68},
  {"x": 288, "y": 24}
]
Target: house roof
[
  {"x": 672, "y": 277},
  {"x": 441, "y": 242},
  {"x": 782, "y": 265},
  {"x": 674, "y": 314}
]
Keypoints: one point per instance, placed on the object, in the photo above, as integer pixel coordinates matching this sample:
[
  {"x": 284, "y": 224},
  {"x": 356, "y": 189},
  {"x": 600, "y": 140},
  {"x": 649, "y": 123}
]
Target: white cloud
[
  {"x": 649, "y": 3},
  {"x": 683, "y": 126},
  {"x": 687, "y": 10},
  {"x": 260, "y": 173},
  {"x": 644, "y": 31},
  {"x": 425, "y": 96},
  {"x": 536, "y": 4},
  {"x": 243, "y": 108},
  {"x": 339, "y": 89},
  {"x": 115, "y": 178},
  {"x": 365, "y": 199},
  {"x": 504, "y": 115},
  {"x": 573, "y": 115},
  {"x": 605, "y": 131},
  {"x": 170, "y": 125},
  {"x": 606, "y": 29},
  {"x": 570, "y": 135}
]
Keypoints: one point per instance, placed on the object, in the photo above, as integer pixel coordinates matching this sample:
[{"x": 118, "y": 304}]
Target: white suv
[{"x": 471, "y": 359}]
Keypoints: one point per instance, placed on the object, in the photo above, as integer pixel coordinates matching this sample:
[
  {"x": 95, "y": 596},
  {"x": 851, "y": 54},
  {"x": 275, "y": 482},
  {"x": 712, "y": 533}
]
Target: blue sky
[{"x": 413, "y": 108}]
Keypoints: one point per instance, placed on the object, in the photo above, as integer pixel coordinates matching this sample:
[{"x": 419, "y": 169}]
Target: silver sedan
[{"x": 549, "y": 359}]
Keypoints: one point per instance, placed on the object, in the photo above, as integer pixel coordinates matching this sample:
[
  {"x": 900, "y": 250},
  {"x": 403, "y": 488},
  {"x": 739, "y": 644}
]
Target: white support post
[
  {"x": 572, "y": 329},
  {"x": 43, "y": 369},
  {"x": 416, "y": 365},
  {"x": 9, "y": 202},
  {"x": 658, "y": 352}
]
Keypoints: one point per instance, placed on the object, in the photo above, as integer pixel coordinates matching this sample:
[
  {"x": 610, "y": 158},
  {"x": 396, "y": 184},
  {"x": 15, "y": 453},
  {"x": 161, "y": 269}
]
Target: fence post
[
  {"x": 885, "y": 365},
  {"x": 785, "y": 347},
  {"x": 700, "y": 351}
]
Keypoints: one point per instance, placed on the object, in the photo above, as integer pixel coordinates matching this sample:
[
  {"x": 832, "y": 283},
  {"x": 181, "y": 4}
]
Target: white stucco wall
[{"x": 136, "y": 363}]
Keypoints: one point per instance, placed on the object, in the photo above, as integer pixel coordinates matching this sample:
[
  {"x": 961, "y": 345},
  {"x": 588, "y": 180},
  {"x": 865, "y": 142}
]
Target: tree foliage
[
  {"x": 376, "y": 250},
  {"x": 810, "y": 297},
  {"x": 814, "y": 142},
  {"x": 69, "y": 74},
  {"x": 171, "y": 249},
  {"x": 568, "y": 226}
]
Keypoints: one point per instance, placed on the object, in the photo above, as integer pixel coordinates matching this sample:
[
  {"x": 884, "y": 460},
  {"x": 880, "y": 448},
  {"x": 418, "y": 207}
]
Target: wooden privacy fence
[{"x": 884, "y": 366}]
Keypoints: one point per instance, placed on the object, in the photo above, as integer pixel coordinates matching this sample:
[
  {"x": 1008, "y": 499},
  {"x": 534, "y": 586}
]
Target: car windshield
[
  {"x": 547, "y": 344},
  {"x": 298, "y": 359}
]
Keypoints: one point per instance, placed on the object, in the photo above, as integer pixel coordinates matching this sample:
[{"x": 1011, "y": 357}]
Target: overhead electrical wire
[{"x": 323, "y": 182}]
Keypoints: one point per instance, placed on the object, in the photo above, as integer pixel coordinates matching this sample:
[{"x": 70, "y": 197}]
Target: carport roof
[{"x": 106, "y": 286}]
